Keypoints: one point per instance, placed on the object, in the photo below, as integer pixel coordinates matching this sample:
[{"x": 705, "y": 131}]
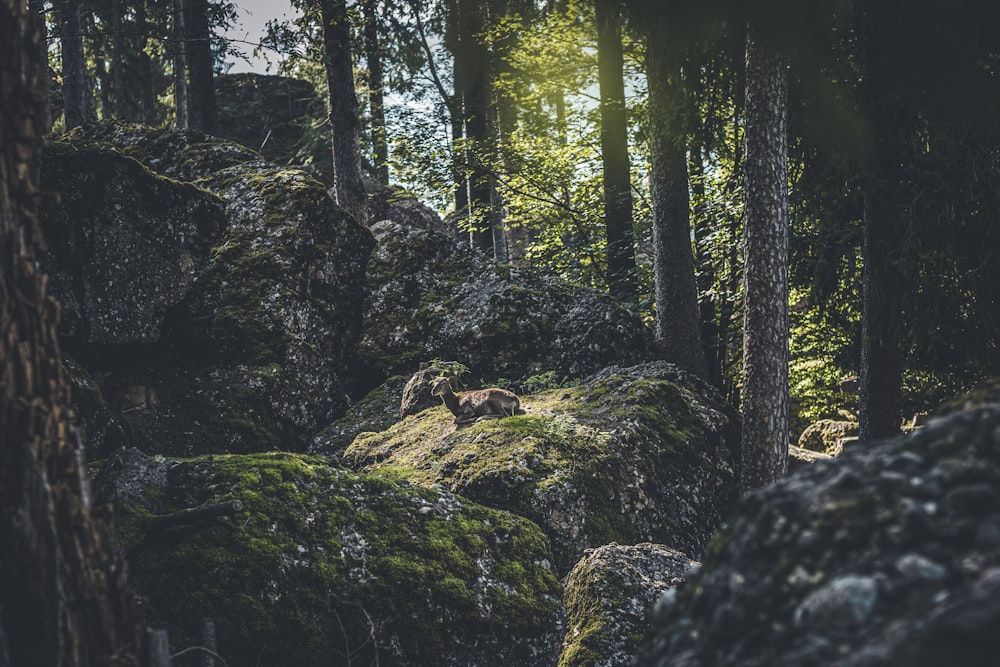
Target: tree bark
[
  {"x": 622, "y": 276},
  {"x": 764, "y": 400},
  {"x": 63, "y": 597},
  {"x": 376, "y": 100},
  {"x": 119, "y": 96},
  {"x": 342, "y": 108},
  {"x": 76, "y": 87},
  {"x": 202, "y": 112},
  {"x": 480, "y": 131},
  {"x": 180, "y": 65},
  {"x": 678, "y": 334},
  {"x": 148, "y": 96}
]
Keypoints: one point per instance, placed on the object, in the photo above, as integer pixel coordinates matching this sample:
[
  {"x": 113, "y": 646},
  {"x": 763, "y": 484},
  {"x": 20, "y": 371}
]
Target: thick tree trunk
[
  {"x": 376, "y": 100},
  {"x": 678, "y": 332},
  {"x": 63, "y": 599},
  {"x": 622, "y": 275},
  {"x": 342, "y": 107},
  {"x": 202, "y": 113},
  {"x": 76, "y": 87},
  {"x": 180, "y": 65},
  {"x": 764, "y": 401}
]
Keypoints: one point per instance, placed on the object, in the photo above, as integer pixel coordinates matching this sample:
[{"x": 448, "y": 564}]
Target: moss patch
[
  {"x": 629, "y": 457},
  {"x": 321, "y": 558}
]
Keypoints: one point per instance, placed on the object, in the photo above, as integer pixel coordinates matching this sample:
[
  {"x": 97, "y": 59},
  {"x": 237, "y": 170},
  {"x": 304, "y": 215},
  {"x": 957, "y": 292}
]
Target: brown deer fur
[{"x": 476, "y": 405}]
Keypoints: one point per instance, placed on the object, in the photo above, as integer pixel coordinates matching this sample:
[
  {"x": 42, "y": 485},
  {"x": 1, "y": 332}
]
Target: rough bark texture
[
  {"x": 62, "y": 585},
  {"x": 376, "y": 101},
  {"x": 678, "y": 332},
  {"x": 764, "y": 400},
  {"x": 342, "y": 106},
  {"x": 202, "y": 113},
  {"x": 622, "y": 277}
]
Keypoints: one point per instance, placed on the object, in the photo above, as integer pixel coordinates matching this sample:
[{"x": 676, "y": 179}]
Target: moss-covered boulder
[
  {"x": 124, "y": 245},
  {"x": 268, "y": 113},
  {"x": 828, "y": 436},
  {"x": 259, "y": 352},
  {"x": 319, "y": 566},
  {"x": 636, "y": 454},
  {"x": 395, "y": 204},
  {"x": 432, "y": 297},
  {"x": 609, "y": 598},
  {"x": 888, "y": 555}
]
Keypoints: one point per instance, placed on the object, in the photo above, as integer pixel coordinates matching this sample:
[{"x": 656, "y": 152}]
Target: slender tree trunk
[
  {"x": 622, "y": 276},
  {"x": 75, "y": 85},
  {"x": 879, "y": 389},
  {"x": 148, "y": 96},
  {"x": 342, "y": 107},
  {"x": 63, "y": 599},
  {"x": 180, "y": 65},
  {"x": 677, "y": 317},
  {"x": 880, "y": 386},
  {"x": 764, "y": 401},
  {"x": 376, "y": 101},
  {"x": 119, "y": 96},
  {"x": 479, "y": 131},
  {"x": 460, "y": 161},
  {"x": 202, "y": 114}
]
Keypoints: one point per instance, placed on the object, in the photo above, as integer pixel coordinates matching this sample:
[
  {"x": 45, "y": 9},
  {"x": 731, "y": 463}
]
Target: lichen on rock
[
  {"x": 888, "y": 555},
  {"x": 609, "y": 598}
]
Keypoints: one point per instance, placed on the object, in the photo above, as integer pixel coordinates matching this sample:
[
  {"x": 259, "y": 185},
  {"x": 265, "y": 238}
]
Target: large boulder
[
  {"x": 609, "y": 597},
  {"x": 888, "y": 555},
  {"x": 124, "y": 245},
  {"x": 431, "y": 297},
  {"x": 298, "y": 563},
  {"x": 637, "y": 454},
  {"x": 828, "y": 436},
  {"x": 258, "y": 352}
]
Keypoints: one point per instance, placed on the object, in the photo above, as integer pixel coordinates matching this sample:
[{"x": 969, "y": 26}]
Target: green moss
[{"x": 314, "y": 545}]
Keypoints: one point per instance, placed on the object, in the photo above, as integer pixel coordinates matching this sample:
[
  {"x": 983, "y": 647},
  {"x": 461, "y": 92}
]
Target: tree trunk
[
  {"x": 376, "y": 101},
  {"x": 63, "y": 598},
  {"x": 148, "y": 96},
  {"x": 879, "y": 388},
  {"x": 180, "y": 66},
  {"x": 342, "y": 107},
  {"x": 764, "y": 400},
  {"x": 119, "y": 96},
  {"x": 202, "y": 114},
  {"x": 677, "y": 317},
  {"x": 76, "y": 88},
  {"x": 479, "y": 129},
  {"x": 622, "y": 276}
]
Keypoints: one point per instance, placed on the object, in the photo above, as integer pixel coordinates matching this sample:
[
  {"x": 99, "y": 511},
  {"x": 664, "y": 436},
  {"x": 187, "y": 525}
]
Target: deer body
[{"x": 476, "y": 405}]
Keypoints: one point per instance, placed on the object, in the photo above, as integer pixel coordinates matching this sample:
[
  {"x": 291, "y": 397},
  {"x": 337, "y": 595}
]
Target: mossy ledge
[
  {"x": 635, "y": 454},
  {"x": 322, "y": 562}
]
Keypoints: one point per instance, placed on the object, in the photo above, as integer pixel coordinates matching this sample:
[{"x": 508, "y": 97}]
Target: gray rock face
[
  {"x": 610, "y": 596},
  {"x": 889, "y": 555},
  {"x": 124, "y": 245},
  {"x": 434, "y": 298},
  {"x": 377, "y": 411},
  {"x": 417, "y": 394},
  {"x": 257, "y": 354},
  {"x": 321, "y": 566},
  {"x": 638, "y": 454},
  {"x": 393, "y": 204}
]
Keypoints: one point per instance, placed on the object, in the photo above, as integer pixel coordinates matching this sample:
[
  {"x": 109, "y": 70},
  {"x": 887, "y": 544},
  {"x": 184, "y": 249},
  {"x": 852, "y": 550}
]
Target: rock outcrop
[
  {"x": 431, "y": 297},
  {"x": 636, "y": 454},
  {"x": 316, "y": 566},
  {"x": 828, "y": 436},
  {"x": 255, "y": 351},
  {"x": 609, "y": 598},
  {"x": 888, "y": 555}
]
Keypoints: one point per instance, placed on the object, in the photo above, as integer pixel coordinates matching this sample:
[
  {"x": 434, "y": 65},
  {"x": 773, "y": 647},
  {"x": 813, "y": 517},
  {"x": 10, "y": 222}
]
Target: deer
[{"x": 476, "y": 405}]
